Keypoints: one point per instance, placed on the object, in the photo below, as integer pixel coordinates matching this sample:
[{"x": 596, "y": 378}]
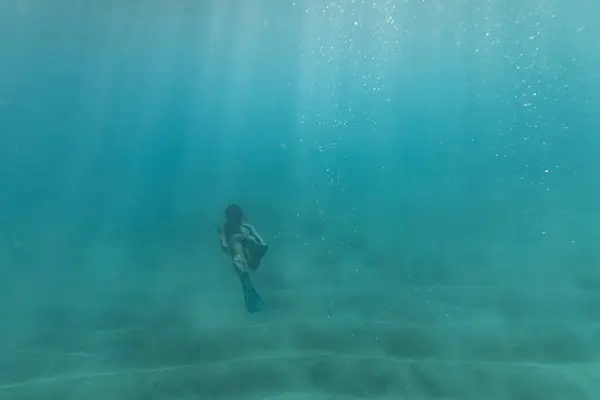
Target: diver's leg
[
  {"x": 248, "y": 256},
  {"x": 258, "y": 237},
  {"x": 252, "y": 299},
  {"x": 254, "y": 251},
  {"x": 241, "y": 266}
]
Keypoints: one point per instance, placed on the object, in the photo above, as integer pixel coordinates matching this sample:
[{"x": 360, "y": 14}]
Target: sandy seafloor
[{"x": 468, "y": 319}]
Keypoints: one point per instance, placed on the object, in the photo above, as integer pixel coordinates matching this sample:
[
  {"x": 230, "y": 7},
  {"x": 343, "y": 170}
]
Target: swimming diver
[{"x": 246, "y": 247}]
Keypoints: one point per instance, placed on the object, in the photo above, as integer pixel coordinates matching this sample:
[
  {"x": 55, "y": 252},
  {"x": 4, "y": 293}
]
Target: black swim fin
[{"x": 254, "y": 302}]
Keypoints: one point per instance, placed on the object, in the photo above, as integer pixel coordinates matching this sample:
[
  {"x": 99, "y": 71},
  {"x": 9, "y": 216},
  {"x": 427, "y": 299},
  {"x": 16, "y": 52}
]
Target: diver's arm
[{"x": 223, "y": 238}]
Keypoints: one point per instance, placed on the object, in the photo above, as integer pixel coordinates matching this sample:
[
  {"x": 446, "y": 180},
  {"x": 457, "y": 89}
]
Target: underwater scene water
[{"x": 425, "y": 174}]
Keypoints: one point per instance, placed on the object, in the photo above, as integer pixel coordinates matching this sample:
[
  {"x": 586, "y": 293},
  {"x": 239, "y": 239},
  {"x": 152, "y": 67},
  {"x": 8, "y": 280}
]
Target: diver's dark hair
[{"x": 234, "y": 214}]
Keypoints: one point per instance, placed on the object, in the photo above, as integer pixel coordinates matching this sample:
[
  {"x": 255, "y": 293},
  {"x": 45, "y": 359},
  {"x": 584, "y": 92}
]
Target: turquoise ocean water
[{"x": 426, "y": 174}]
